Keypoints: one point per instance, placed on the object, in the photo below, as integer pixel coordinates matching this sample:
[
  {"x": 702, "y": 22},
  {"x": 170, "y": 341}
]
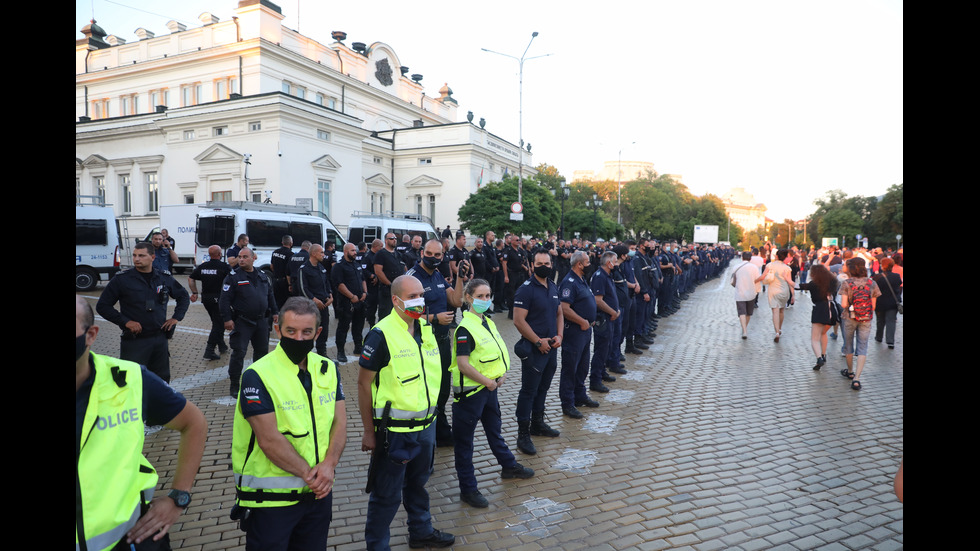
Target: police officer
[
  {"x": 113, "y": 400},
  {"x": 413, "y": 254},
  {"x": 279, "y": 262},
  {"x": 232, "y": 252},
  {"x": 295, "y": 263},
  {"x": 386, "y": 267},
  {"x": 480, "y": 362},
  {"x": 371, "y": 311},
  {"x": 212, "y": 275},
  {"x": 643, "y": 269},
  {"x": 165, "y": 255},
  {"x": 313, "y": 282},
  {"x": 286, "y": 484},
  {"x": 538, "y": 318},
  {"x": 607, "y": 304},
  {"x": 398, "y": 417},
  {"x": 579, "y": 311},
  {"x": 441, "y": 302},
  {"x": 478, "y": 258},
  {"x": 348, "y": 280},
  {"x": 513, "y": 267},
  {"x": 143, "y": 294},
  {"x": 246, "y": 302}
]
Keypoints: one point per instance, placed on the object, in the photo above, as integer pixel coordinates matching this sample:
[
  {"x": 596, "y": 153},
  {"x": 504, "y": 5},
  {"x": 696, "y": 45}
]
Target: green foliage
[
  {"x": 839, "y": 215},
  {"x": 489, "y": 209}
]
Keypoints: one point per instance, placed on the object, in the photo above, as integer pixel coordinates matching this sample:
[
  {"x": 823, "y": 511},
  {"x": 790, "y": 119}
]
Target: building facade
[
  {"x": 249, "y": 110},
  {"x": 744, "y": 210}
]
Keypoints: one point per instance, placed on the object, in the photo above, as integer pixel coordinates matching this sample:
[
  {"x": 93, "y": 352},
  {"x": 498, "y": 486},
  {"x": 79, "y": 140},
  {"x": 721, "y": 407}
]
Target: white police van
[
  {"x": 367, "y": 226},
  {"x": 97, "y": 242},
  {"x": 221, "y": 222}
]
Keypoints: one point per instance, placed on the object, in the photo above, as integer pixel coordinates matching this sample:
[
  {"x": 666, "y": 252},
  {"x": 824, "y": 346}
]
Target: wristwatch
[
  {"x": 180, "y": 497},
  {"x": 538, "y": 344}
]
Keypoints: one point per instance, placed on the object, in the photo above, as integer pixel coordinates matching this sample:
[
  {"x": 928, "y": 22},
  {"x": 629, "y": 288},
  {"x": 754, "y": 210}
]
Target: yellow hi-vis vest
[
  {"x": 114, "y": 479},
  {"x": 304, "y": 418},
  {"x": 411, "y": 379},
  {"x": 489, "y": 355}
]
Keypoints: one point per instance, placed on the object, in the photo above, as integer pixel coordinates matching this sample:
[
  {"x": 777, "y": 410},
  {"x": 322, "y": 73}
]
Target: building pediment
[
  {"x": 378, "y": 179},
  {"x": 218, "y": 153},
  {"x": 326, "y": 163},
  {"x": 423, "y": 181},
  {"x": 95, "y": 161}
]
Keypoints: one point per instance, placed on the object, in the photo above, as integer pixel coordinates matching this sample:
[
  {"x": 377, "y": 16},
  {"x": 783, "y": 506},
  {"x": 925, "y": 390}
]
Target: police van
[
  {"x": 367, "y": 226},
  {"x": 221, "y": 222},
  {"x": 97, "y": 242}
]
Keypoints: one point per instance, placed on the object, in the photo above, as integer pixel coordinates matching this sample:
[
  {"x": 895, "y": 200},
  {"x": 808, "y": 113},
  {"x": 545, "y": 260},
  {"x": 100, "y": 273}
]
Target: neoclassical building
[
  {"x": 743, "y": 209},
  {"x": 246, "y": 109}
]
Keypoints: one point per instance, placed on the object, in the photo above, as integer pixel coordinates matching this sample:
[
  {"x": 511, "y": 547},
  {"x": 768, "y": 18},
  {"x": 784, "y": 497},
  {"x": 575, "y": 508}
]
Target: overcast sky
[{"x": 787, "y": 99}]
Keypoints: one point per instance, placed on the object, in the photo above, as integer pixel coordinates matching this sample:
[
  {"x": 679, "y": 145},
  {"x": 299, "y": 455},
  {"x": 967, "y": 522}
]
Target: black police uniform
[
  {"x": 313, "y": 282},
  {"x": 143, "y": 298},
  {"x": 391, "y": 267},
  {"x": 280, "y": 270},
  {"x": 212, "y": 275},
  {"x": 247, "y": 300},
  {"x": 350, "y": 315},
  {"x": 295, "y": 263}
]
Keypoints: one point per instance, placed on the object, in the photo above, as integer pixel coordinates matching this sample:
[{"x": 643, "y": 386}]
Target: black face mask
[
  {"x": 80, "y": 346},
  {"x": 543, "y": 271},
  {"x": 296, "y": 350},
  {"x": 431, "y": 261}
]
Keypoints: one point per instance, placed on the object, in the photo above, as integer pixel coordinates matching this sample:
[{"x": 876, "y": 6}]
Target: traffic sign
[{"x": 517, "y": 208}]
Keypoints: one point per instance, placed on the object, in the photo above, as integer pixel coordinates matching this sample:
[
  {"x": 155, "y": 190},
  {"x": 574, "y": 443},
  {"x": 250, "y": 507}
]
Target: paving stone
[{"x": 709, "y": 442}]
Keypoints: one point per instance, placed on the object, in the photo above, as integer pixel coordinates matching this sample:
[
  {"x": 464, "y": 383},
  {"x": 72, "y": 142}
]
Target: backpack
[{"x": 861, "y": 309}]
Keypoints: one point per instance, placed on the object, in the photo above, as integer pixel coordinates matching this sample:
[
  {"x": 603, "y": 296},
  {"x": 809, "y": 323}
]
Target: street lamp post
[
  {"x": 520, "y": 111},
  {"x": 564, "y": 195},
  {"x": 595, "y": 204}
]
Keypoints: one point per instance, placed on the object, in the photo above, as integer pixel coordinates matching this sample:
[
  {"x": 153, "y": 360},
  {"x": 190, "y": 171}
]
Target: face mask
[
  {"x": 80, "y": 346},
  {"x": 414, "y": 308},
  {"x": 430, "y": 261},
  {"x": 481, "y": 306},
  {"x": 632, "y": 253},
  {"x": 296, "y": 350},
  {"x": 542, "y": 271}
]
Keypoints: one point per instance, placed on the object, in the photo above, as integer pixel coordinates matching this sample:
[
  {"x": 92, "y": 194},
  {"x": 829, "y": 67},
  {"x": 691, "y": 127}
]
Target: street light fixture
[{"x": 520, "y": 111}]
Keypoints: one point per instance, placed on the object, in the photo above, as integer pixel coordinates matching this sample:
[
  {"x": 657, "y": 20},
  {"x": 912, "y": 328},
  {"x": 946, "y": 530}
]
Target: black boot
[
  {"x": 630, "y": 349},
  {"x": 524, "y": 442},
  {"x": 539, "y": 427}
]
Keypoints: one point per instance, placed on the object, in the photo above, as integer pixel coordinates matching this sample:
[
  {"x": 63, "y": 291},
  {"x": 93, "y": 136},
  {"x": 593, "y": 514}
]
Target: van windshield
[{"x": 216, "y": 230}]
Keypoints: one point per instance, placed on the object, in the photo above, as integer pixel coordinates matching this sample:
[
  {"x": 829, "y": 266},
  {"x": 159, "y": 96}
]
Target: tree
[
  {"x": 841, "y": 222},
  {"x": 887, "y": 220},
  {"x": 489, "y": 209}
]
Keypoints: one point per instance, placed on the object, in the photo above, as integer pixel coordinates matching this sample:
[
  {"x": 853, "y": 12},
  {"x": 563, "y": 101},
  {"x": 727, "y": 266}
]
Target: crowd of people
[
  {"x": 848, "y": 288},
  {"x": 432, "y": 338}
]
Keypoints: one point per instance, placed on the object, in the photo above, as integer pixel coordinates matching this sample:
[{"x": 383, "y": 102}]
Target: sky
[{"x": 787, "y": 99}]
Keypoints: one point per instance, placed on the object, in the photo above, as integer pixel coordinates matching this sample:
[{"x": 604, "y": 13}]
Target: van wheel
[{"x": 85, "y": 279}]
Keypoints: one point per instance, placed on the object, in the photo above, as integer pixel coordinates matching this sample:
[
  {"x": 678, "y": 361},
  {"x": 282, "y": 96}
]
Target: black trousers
[{"x": 350, "y": 317}]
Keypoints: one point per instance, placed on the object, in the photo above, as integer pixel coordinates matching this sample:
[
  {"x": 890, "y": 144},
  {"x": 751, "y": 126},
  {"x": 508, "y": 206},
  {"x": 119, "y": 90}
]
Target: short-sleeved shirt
[
  {"x": 602, "y": 285},
  {"x": 578, "y": 295},
  {"x": 847, "y": 288},
  {"x": 541, "y": 303},
  {"x": 259, "y": 400},
  {"x": 349, "y": 275},
  {"x": 464, "y": 339},
  {"x": 211, "y": 274},
  {"x": 514, "y": 260},
  {"x": 390, "y": 265}
]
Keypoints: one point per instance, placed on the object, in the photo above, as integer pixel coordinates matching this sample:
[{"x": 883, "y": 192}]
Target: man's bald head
[
  {"x": 214, "y": 252},
  {"x": 405, "y": 285}
]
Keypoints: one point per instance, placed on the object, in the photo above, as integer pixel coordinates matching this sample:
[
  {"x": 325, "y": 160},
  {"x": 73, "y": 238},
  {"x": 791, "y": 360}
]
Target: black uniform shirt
[{"x": 211, "y": 274}]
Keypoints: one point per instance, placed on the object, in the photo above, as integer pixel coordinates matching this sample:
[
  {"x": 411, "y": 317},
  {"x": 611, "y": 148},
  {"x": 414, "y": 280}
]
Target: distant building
[
  {"x": 345, "y": 127},
  {"x": 615, "y": 171},
  {"x": 743, "y": 209}
]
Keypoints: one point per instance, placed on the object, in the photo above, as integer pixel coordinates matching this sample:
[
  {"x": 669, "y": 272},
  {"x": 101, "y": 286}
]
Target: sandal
[
  {"x": 856, "y": 385},
  {"x": 848, "y": 374},
  {"x": 778, "y": 333}
]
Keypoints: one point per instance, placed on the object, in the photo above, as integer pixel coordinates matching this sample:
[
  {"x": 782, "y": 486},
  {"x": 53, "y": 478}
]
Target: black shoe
[
  {"x": 517, "y": 471},
  {"x": 639, "y": 344},
  {"x": 618, "y": 369},
  {"x": 820, "y": 361},
  {"x": 341, "y": 359},
  {"x": 598, "y": 387},
  {"x": 587, "y": 402},
  {"x": 475, "y": 499},
  {"x": 358, "y": 350},
  {"x": 524, "y": 442},
  {"x": 608, "y": 378},
  {"x": 435, "y": 539},
  {"x": 540, "y": 428},
  {"x": 234, "y": 389},
  {"x": 210, "y": 355},
  {"x": 631, "y": 350},
  {"x": 572, "y": 412},
  {"x": 646, "y": 340},
  {"x": 222, "y": 348}
]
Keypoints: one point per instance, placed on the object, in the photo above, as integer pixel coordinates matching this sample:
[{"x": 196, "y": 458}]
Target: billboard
[{"x": 705, "y": 234}]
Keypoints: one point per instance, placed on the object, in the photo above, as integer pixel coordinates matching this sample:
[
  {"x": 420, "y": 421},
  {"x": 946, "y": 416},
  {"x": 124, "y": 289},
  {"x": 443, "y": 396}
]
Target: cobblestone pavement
[{"x": 709, "y": 442}]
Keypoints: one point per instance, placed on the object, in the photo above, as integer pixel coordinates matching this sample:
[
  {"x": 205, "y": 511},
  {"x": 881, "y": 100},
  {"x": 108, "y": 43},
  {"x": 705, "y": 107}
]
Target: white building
[
  {"x": 743, "y": 209},
  {"x": 615, "y": 171},
  {"x": 169, "y": 120}
]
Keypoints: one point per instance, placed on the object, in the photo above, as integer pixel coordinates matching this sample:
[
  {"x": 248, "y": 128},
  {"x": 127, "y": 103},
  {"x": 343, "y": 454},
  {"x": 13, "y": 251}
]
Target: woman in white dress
[{"x": 779, "y": 279}]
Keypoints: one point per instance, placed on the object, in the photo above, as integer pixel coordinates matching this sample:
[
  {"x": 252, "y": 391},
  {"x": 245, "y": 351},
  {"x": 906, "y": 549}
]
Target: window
[
  {"x": 256, "y": 196},
  {"x": 100, "y": 109},
  {"x": 285, "y": 87},
  {"x": 189, "y": 199},
  {"x": 188, "y": 134},
  {"x": 323, "y": 135},
  {"x": 220, "y": 131},
  {"x": 300, "y": 92},
  {"x": 377, "y": 160},
  {"x": 331, "y": 103},
  {"x": 224, "y": 87},
  {"x": 152, "y": 192},
  {"x": 319, "y": 98},
  {"x": 191, "y": 94},
  {"x": 91, "y": 232},
  {"x": 221, "y": 196},
  {"x": 255, "y": 126},
  {"x": 126, "y": 193},
  {"x": 159, "y": 97},
  {"x": 129, "y": 105},
  {"x": 432, "y": 208},
  {"x": 425, "y": 161},
  {"x": 418, "y": 204},
  {"x": 323, "y": 196},
  {"x": 374, "y": 201},
  {"x": 99, "y": 184}
]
